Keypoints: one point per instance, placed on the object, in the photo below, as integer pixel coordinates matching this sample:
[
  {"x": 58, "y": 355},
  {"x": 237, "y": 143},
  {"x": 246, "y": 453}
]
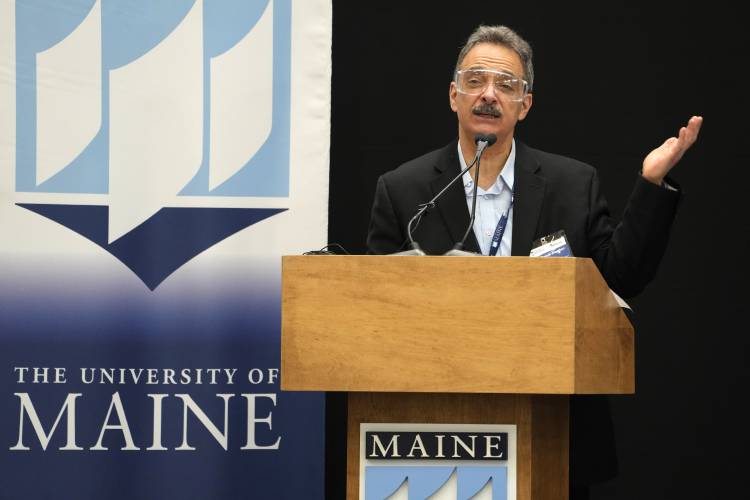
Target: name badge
[{"x": 553, "y": 245}]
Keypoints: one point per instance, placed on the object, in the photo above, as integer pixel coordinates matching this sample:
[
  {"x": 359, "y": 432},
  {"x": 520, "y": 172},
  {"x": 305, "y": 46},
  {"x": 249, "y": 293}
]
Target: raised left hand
[{"x": 661, "y": 160}]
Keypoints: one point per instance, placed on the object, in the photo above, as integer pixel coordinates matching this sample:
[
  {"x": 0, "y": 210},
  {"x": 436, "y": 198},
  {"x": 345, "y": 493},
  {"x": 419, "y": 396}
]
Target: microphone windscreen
[{"x": 490, "y": 139}]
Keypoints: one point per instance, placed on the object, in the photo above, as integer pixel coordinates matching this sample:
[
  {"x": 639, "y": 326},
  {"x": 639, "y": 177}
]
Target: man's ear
[
  {"x": 452, "y": 94},
  {"x": 525, "y": 106}
]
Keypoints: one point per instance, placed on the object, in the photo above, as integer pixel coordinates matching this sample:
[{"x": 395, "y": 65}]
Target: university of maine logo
[
  {"x": 156, "y": 129},
  {"x": 437, "y": 461}
]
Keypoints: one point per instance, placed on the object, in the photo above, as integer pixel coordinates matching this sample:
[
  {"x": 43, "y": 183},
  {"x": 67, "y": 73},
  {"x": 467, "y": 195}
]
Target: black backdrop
[{"x": 613, "y": 80}]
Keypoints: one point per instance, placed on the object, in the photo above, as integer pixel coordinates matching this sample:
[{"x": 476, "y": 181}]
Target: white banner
[{"x": 156, "y": 160}]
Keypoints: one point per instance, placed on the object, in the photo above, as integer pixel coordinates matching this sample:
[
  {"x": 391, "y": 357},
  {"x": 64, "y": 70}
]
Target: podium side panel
[{"x": 604, "y": 350}]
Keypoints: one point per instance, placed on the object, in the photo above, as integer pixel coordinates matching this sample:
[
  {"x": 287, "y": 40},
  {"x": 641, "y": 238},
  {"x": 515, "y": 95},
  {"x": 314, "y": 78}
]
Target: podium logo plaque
[{"x": 437, "y": 461}]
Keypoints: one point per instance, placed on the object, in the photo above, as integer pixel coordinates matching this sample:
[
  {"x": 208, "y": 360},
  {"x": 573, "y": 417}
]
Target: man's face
[{"x": 489, "y": 112}]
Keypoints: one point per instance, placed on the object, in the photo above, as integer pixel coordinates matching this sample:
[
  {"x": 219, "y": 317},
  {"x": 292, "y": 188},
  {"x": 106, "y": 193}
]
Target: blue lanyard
[{"x": 500, "y": 230}]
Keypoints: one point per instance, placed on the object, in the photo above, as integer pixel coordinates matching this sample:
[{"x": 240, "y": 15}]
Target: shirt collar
[{"x": 507, "y": 175}]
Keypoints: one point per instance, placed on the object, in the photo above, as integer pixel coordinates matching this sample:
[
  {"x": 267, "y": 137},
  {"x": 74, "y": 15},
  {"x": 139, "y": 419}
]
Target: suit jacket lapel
[
  {"x": 527, "y": 204},
  {"x": 452, "y": 205}
]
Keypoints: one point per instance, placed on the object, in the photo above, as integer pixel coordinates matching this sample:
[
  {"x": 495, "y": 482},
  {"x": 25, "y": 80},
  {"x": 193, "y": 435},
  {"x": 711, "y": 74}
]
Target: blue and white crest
[
  {"x": 468, "y": 482},
  {"x": 157, "y": 128}
]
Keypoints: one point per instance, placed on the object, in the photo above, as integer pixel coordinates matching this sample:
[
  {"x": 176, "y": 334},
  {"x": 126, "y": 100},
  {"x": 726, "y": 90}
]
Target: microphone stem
[
  {"x": 431, "y": 203},
  {"x": 481, "y": 146},
  {"x": 473, "y": 204}
]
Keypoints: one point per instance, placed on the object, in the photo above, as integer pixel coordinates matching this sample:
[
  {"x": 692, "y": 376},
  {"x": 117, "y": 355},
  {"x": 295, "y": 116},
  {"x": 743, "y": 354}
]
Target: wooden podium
[{"x": 457, "y": 340}]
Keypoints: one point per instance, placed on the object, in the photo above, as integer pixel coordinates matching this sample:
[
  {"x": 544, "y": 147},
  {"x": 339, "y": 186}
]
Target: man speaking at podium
[{"x": 524, "y": 194}]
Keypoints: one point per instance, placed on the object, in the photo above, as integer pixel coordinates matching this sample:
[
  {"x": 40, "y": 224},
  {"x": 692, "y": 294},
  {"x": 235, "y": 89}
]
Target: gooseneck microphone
[{"x": 483, "y": 141}]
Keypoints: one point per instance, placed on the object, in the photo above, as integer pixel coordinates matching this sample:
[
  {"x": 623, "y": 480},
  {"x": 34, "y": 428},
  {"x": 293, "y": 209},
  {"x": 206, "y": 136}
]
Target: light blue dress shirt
[{"x": 492, "y": 204}]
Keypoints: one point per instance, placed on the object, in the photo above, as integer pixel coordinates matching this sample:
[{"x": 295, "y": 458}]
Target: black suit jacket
[{"x": 551, "y": 192}]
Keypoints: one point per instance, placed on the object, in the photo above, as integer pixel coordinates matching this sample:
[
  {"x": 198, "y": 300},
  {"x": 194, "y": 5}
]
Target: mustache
[{"x": 487, "y": 109}]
